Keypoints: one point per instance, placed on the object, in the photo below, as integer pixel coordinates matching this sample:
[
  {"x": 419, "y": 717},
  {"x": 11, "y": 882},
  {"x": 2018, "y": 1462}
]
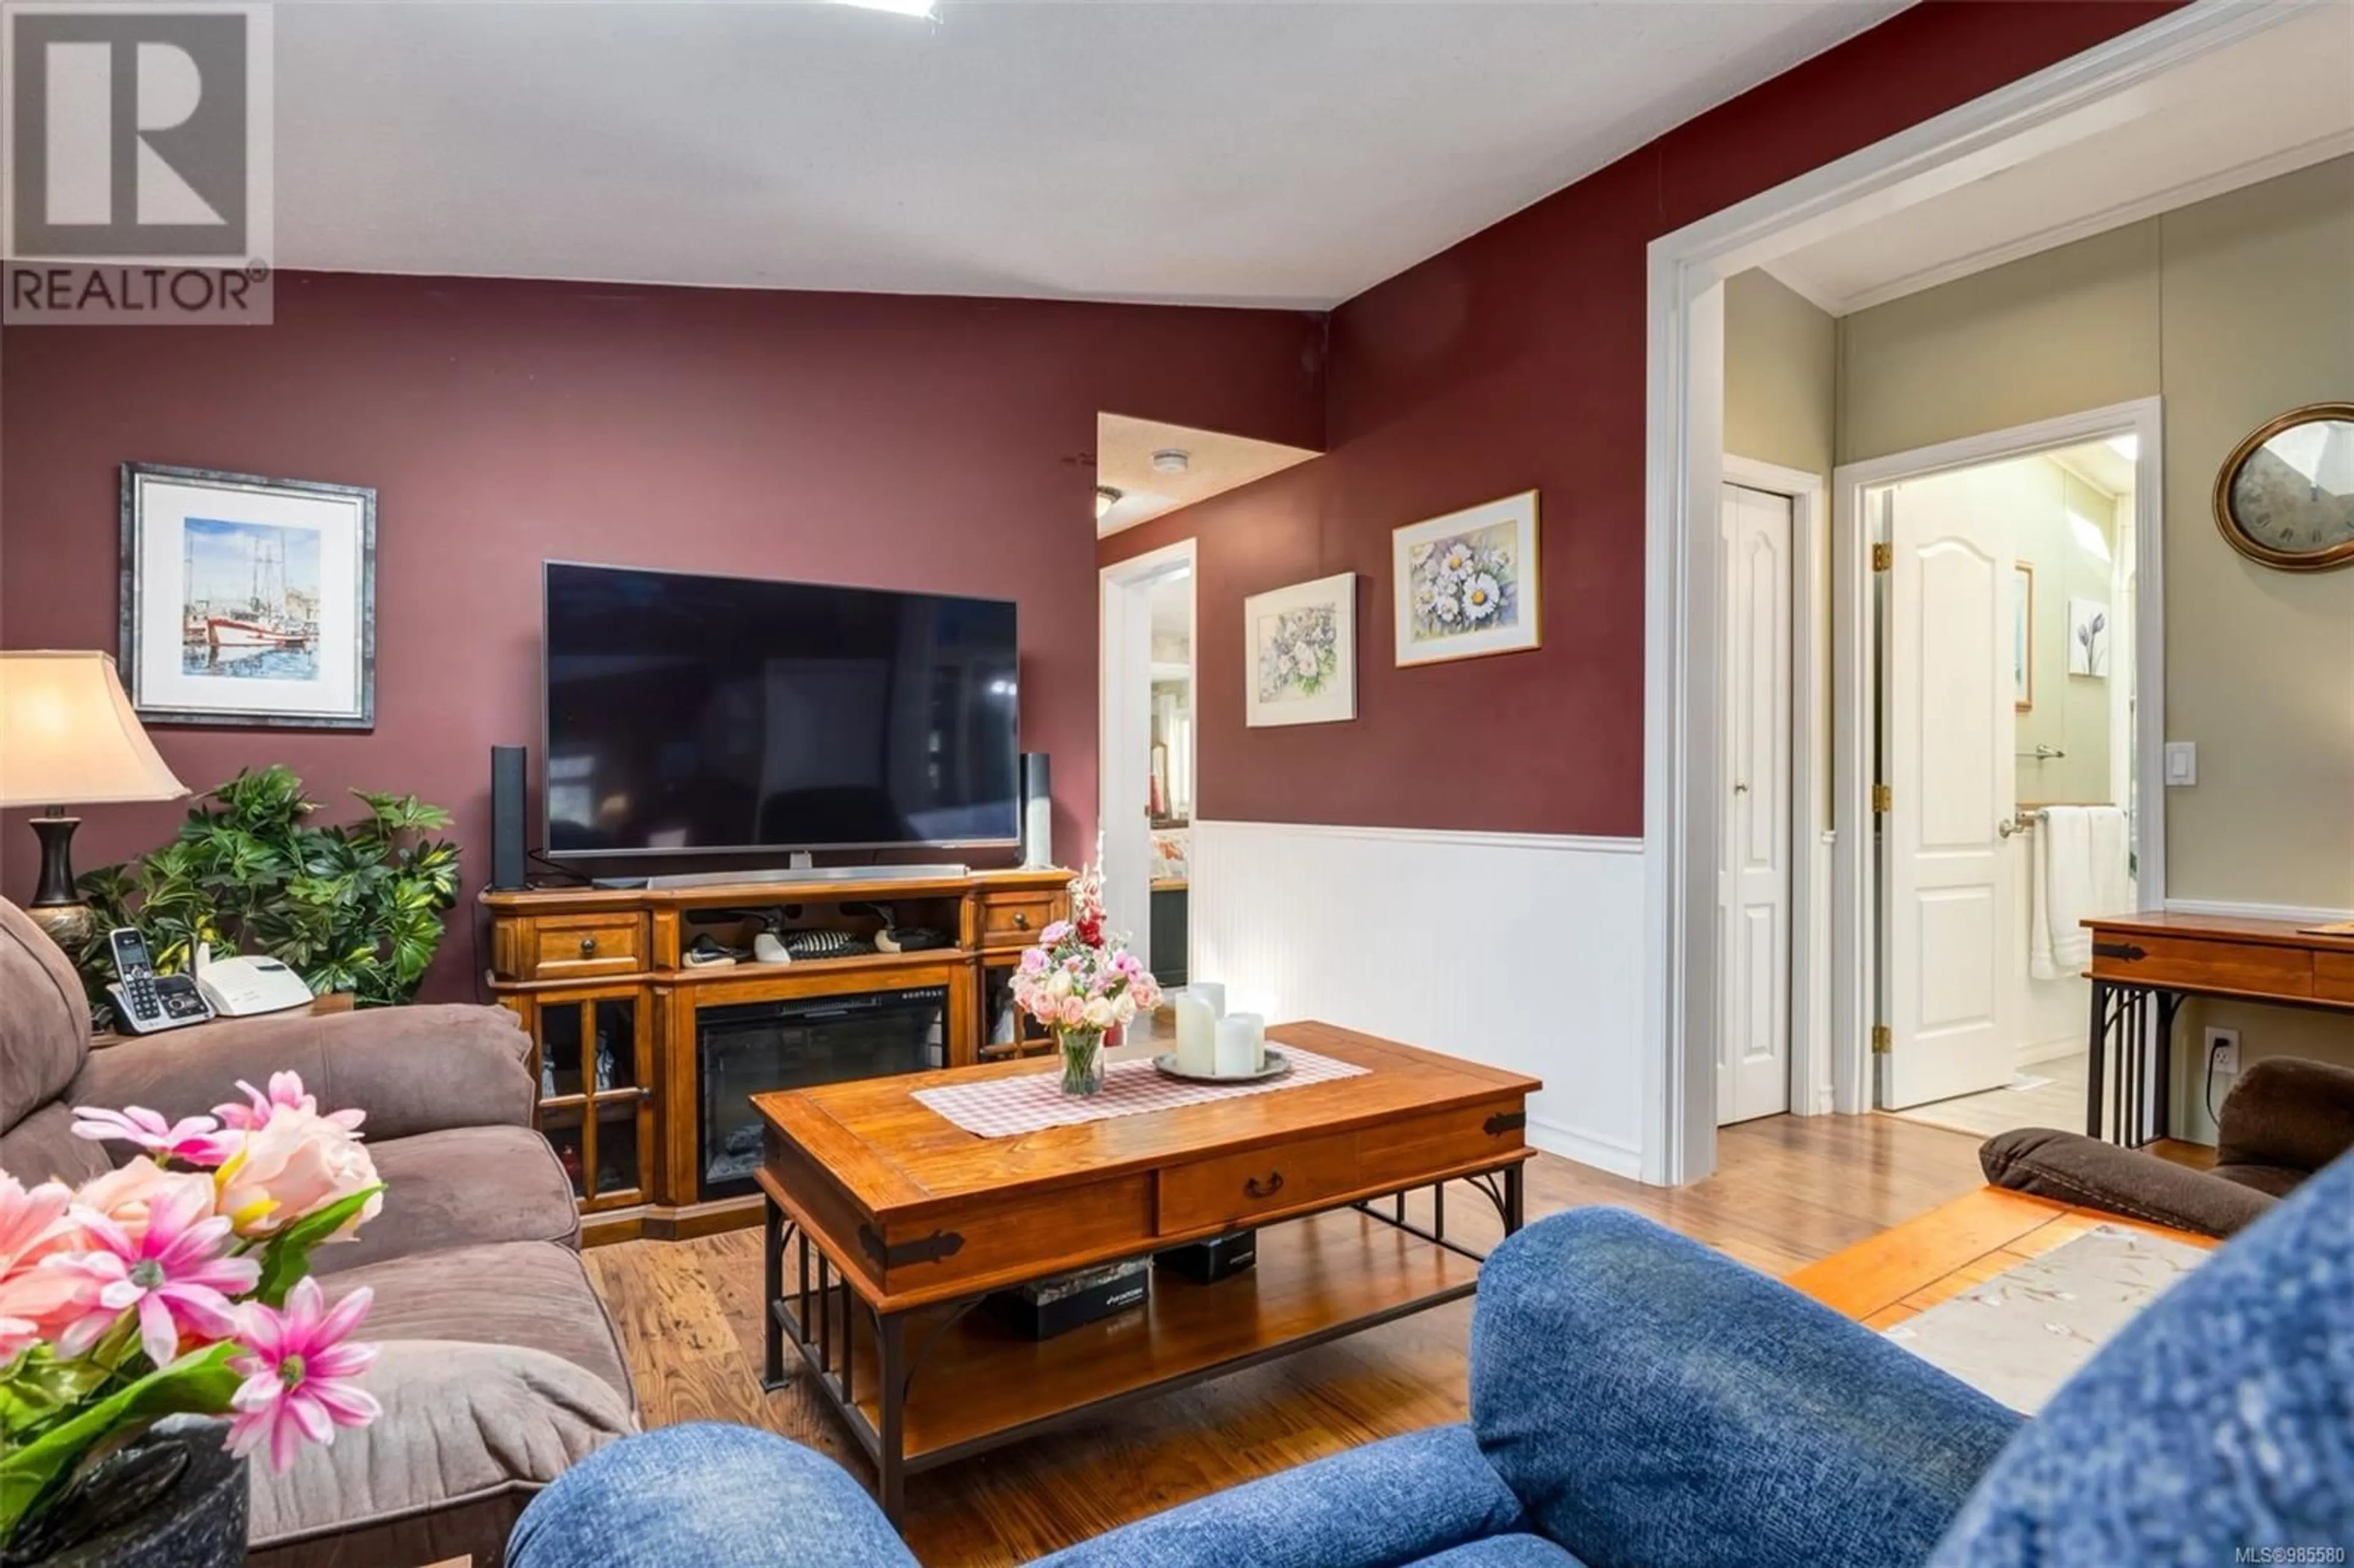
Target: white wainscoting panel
[{"x": 1520, "y": 950}]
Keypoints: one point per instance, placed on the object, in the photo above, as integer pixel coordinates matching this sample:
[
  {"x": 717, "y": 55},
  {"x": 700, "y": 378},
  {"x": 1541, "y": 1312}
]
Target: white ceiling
[
  {"x": 1215, "y": 463},
  {"x": 1263, "y": 153},
  {"x": 2276, "y": 101}
]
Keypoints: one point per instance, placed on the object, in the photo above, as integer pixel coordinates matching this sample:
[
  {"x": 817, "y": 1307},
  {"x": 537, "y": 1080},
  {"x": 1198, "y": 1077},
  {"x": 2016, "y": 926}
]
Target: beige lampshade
[{"x": 68, "y": 736}]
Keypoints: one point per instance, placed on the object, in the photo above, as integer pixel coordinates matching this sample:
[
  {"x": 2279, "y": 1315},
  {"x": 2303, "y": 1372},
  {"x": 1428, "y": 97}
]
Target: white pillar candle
[
  {"x": 1211, "y": 992},
  {"x": 1197, "y": 1033},
  {"x": 1242, "y": 1037}
]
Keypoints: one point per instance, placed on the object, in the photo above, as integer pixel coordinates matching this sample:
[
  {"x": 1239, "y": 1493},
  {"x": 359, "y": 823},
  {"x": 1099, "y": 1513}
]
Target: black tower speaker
[
  {"x": 506, "y": 817},
  {"x": 1037, "y": 810}
]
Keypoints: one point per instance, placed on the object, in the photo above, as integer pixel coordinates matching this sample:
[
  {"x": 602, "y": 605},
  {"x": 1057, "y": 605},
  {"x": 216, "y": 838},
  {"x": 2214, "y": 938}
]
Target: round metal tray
[{"x": 1277, "y": 1064}]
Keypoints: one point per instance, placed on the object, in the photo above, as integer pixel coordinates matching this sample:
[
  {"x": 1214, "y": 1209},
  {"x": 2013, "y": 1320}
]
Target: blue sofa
[{"x": 1639, "y": 1402}]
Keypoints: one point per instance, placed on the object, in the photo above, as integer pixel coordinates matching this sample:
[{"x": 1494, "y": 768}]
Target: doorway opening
[
  {"x": 1147, "y": 766},
  {"x": 2011, "y": 695}
]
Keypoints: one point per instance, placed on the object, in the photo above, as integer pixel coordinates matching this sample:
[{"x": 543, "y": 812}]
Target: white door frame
[
  {"x": 1810, "y": 828},
  {"x": 1684, "y": 447},
  {"x": 1855, "y": 631},
  {"x": 1124, "y": 719}
]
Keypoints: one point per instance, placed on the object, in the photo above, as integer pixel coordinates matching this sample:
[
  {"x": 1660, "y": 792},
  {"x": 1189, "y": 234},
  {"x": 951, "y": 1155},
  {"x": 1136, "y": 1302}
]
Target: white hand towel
[
  {"x": 2040, "y": 961},
  {"x": 2081, "y": 869}
]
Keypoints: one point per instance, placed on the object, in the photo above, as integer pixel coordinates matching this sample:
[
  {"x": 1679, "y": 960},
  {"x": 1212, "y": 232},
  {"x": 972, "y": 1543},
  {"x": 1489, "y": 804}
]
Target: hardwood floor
[{"x": 1789, "y": 1191}]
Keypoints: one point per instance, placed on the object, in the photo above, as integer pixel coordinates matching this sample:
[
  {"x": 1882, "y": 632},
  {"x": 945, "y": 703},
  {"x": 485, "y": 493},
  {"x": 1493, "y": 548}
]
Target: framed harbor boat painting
[{"x": 248, "y": 602}]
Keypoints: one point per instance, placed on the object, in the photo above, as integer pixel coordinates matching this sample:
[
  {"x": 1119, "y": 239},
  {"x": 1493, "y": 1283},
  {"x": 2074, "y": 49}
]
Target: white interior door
[
  {"x": 1950, "y": 921},
  {"x": 1753, "y": 1066}
]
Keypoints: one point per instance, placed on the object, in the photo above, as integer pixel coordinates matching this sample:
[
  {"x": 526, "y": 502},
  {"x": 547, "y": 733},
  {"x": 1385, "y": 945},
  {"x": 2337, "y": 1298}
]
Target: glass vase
[{"x": 1083, "y": 1070}]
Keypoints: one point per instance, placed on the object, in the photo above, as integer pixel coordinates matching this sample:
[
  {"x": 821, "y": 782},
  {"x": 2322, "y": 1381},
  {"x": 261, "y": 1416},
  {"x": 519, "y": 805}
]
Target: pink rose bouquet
[
  {"x": 1082, "y": 984},
  {"x": 178, "y": 1282}
]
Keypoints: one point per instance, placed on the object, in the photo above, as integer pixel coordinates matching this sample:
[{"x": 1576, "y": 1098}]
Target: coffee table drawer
[
  {"x": 2190, "y": 962},
  {"x": 2333, "y": 976},
  {"x": 1242, "y": 1186},
  {"x": 1444, "y": 1140}
]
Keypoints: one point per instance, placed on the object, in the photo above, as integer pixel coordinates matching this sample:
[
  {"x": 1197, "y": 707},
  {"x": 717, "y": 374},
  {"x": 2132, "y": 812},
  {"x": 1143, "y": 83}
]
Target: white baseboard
[
  {"x": 1620, "y": 1159},
  {"x": 2051, "y": 1051},
  {"x": 1522, "y": 951}
]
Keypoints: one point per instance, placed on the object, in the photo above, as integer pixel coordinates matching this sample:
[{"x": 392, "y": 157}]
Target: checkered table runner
[{"x": 1004, "y": 1107}]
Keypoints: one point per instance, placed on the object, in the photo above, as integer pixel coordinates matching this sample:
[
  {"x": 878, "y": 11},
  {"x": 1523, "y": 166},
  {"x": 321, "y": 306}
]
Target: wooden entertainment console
[{"x": 585, "y": 968}]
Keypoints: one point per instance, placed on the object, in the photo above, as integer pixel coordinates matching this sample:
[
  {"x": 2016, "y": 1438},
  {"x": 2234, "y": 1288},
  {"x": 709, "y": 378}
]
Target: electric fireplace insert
[{"x": 753, "y": 1047}]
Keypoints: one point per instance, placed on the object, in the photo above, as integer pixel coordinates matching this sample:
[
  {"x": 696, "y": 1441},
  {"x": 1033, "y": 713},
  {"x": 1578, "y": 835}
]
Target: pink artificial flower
[
  {"x": 298, "y": 1376},
  {"x": 285, "y": 1090},
  {"x": 35, "y": 1304},
  {"x": 127, "y": 1194},
  {"x": 1053, "y": 933},
  {"x": 175, "y": 1275},
  {"x": 1033, "y": 960},
  {"x": 295, "y": 1163},
  {"x": 1072, "y": 1013},
  {"x": 195, "y": 1138}
]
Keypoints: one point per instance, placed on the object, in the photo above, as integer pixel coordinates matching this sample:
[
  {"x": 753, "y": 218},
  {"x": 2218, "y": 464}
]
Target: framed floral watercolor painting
[
  {"x": 1299, "y": 653},
  {"x": 248, "y": 600},
  {"x": 1466, "y": 582}
]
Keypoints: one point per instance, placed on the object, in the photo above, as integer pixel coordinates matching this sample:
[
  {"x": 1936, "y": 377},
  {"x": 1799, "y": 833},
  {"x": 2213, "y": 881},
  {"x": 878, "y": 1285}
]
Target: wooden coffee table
[
  {"x": 888, "y": 1224},
  {"x": 1911, "y": 1267}
]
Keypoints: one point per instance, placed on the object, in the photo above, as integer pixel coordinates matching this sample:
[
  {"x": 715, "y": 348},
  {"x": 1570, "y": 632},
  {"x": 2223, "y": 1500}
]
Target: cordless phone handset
[{"x": 144, "y": 1000}]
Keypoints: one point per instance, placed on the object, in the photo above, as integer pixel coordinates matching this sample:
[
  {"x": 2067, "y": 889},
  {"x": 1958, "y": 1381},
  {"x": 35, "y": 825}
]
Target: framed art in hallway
[
  {"x": 248, "y": 602},
  {"x": 1300, "y": 654},
  {"x": 1466, "y": 583}
]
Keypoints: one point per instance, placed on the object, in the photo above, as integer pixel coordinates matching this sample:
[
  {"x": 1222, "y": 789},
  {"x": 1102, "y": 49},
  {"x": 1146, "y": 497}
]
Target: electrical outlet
[{"x": 2224, "y": 1051}]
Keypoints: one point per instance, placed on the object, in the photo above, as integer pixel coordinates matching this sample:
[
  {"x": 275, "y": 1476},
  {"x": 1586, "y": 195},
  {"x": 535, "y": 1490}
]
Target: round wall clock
[{"x": 2285, "y": 496}]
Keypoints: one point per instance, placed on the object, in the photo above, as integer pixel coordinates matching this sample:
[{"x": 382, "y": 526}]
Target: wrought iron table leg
[
  {"x": 772, "y": 1331},
  {"x": 1515, "y": 1196},
  {"x": 890, "y": 1465},
  {"x": 2097, "y": 1041}
]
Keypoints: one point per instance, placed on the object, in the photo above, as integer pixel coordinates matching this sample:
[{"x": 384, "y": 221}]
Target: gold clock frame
[{"x": 2238, "y": 538}]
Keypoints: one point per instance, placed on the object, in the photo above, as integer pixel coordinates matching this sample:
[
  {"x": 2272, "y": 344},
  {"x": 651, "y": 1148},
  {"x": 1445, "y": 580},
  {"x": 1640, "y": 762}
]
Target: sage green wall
[
  {"x": 2232, "y": 310},
  {"x": 1781, "y": 364},
  {"x": 2071, "y": 712}
]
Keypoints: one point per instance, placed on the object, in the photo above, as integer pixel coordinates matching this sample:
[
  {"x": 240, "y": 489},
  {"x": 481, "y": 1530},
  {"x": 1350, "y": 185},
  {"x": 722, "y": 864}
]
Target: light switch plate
[{"x": 2181, "y": 764}]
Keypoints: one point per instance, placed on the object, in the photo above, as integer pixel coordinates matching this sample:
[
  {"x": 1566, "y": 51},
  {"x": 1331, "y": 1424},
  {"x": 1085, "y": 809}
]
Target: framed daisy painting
[{"x": 1466, "y": 582}]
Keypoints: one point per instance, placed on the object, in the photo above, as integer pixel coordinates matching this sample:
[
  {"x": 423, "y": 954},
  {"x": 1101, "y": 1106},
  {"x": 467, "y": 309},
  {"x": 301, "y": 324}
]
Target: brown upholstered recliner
[
  {"x": 499, "y": 1367},
  {"x": 2282, "y": 1121}
]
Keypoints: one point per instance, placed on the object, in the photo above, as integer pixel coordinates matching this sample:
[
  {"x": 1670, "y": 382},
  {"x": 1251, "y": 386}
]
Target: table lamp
[{"x": 68, "y": 736}]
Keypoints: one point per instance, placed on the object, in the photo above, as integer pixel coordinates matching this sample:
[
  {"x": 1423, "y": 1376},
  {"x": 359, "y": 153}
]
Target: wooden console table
[
  {"x": 583, "y": 967},
  {"x": 887, "y": 1225},
  {"x": 2146, "y": 965}
]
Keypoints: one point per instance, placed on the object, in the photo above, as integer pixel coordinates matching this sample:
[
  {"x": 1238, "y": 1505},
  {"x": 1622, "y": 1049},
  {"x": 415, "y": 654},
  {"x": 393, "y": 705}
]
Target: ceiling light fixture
[
  {"x": 1172, "y": 460},
  {"x": 1106, "y": 499},
  {"x": 922, "y": 8}
]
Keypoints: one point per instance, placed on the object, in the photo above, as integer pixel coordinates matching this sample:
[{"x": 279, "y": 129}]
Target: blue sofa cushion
[
  {"x": 2222, "y": 1418},
  {"x": 1515, "y": 1551},
  {"x": 1651, "y": 1401},
  {"x": 1381, "y": 1506}
]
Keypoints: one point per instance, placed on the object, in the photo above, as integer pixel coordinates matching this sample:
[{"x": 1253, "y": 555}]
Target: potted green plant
[{"x": 354, "y": 906}]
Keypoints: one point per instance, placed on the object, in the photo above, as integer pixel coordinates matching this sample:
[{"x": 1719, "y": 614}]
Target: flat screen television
[{"x": 702, "y": 714}]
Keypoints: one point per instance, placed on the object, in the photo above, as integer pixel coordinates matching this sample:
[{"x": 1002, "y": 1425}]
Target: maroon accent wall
[
  {"x": 889, "y": 440},
  {"x": 1515, "y": 361}
]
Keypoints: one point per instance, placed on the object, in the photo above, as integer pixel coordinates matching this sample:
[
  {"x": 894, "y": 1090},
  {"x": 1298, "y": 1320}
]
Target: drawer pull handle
[
  {"x": 2128, "y": 951},
  {"x": 1266, "y": 1189},
  {"x": 587, "y": 946},
  {"x": 1022, "y": 919}
]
